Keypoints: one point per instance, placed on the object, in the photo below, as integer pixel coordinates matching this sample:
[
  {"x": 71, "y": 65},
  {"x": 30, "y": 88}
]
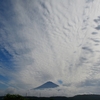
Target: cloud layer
[{"x": 48, "y": 40}]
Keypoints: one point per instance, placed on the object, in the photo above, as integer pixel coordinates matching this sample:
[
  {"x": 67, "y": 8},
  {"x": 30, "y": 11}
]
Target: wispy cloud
[{"x": 44, "y": 40}]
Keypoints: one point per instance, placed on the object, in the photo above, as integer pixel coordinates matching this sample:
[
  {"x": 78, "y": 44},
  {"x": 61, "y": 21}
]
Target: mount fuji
[{"x": 47, "y": 85}]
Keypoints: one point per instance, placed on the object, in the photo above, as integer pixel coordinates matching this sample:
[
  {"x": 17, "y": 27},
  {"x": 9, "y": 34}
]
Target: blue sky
[{"x": 50, "y": 40}]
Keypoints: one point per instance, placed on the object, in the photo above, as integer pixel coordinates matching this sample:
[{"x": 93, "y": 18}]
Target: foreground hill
[{"x": 78, "y": 97}]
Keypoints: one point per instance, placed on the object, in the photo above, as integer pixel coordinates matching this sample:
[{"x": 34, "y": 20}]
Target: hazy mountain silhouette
[
  {"x": 47, "y": 85},
  {"x": 78, "y": 97}
]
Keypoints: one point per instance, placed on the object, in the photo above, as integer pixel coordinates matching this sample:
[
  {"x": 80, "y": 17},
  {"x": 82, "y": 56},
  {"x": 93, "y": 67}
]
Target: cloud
[
  {"x": 86, "y": 48},
  {"x": 91, "y": 82},
  {"x": 98, "y": 27},
  {"x": 95, "y": 40},
  {"x": 43, "y": 41},
  {"x": 94, "y": 33},
  {"x": 88, "y": 1}
]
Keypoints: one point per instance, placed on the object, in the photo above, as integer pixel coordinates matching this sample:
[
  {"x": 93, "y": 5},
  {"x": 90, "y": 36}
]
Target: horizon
[{"x": 50, "y": 40}]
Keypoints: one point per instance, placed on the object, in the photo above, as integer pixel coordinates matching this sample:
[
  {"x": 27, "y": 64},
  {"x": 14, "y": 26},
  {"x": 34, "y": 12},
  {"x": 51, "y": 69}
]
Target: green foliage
[
  {"x": 13, "y": 97},
  {"x": 51, "y": 99}
]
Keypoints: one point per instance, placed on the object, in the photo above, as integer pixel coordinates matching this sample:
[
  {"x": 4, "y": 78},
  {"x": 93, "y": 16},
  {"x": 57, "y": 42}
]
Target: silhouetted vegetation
[
  {"x": 79, "y": 97},
  {"x": 13, "y": 97}
]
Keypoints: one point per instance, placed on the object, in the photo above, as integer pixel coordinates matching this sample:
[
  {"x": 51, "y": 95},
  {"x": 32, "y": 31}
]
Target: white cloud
[{"x": 52, "y": 40}]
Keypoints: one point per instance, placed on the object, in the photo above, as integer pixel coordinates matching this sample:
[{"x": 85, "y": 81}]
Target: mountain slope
[{"x": 47, "y": 85}]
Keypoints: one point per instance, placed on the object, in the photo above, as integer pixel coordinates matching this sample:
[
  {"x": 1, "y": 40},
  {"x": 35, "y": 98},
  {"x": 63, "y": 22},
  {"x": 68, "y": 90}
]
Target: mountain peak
[{"x": 48, "y": 85}]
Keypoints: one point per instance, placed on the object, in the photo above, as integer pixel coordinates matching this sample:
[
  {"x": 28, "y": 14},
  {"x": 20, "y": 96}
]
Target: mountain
[{"x": 47, "y": 85}]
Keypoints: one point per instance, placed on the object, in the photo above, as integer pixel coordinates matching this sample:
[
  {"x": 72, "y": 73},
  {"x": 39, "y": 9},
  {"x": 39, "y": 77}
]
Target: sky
[{"x": 50, "y": 40}]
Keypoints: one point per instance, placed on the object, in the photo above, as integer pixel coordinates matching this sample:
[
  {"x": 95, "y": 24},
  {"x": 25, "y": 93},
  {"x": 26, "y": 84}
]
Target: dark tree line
[{"x": 13, "y": 97}]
